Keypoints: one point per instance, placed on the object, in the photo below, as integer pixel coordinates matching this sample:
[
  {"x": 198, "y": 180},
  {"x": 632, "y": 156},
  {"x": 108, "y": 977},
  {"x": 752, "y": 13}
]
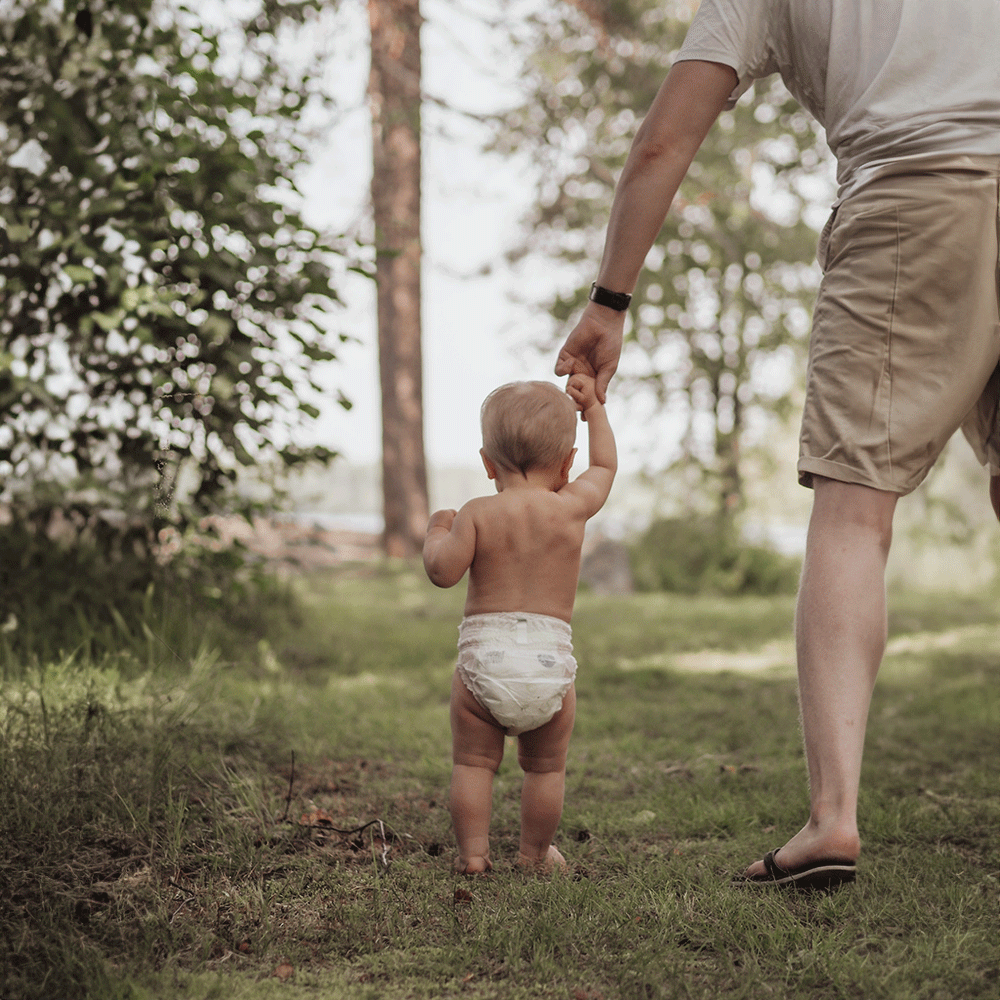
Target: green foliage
[
  {"x": 164, "y": 302},
  {"x": 99, "y": 593},
  {"x": 720, "y": 313},
  {"x": 691, "y": 555}
]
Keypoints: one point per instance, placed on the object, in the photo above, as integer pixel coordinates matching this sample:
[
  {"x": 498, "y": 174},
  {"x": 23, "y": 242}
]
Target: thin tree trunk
[{"x": 394, "y": 93}]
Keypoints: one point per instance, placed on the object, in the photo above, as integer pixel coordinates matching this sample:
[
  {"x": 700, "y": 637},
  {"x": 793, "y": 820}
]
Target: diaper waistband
[{"x": 517, "y": 626}]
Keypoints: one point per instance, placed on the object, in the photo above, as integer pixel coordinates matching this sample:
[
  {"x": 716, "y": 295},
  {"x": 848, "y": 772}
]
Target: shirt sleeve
[{"x": 734, "y": 33}]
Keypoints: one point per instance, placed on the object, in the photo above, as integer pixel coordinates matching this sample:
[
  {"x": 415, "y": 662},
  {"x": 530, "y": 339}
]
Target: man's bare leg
[{"x": 840, "y": 640}]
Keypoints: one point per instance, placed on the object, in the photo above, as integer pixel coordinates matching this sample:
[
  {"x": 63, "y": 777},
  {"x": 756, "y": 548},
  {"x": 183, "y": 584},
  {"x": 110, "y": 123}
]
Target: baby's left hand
[
  {"x": 442, "y": 519},
  {"x": 582, "y": 391}
]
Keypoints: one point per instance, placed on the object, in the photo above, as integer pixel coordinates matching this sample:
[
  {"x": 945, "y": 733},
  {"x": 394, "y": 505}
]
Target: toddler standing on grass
[{"x": 515, "y": 668}]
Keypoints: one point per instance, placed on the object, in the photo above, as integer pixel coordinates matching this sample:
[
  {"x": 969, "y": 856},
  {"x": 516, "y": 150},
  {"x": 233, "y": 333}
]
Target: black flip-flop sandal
[{"x": 823, "y": 873}]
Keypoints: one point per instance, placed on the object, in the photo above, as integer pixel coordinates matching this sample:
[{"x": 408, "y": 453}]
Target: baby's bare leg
[
  {"x": 476, "y": 750},
  {"x": 542, "y": 755}
]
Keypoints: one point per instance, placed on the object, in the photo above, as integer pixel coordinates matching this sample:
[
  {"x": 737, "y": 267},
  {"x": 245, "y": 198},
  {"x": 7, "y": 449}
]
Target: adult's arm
[{"x": 684, "y": 109}]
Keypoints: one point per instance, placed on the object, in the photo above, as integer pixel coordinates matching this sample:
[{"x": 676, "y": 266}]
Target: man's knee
[{"x": 861, "y": 508}]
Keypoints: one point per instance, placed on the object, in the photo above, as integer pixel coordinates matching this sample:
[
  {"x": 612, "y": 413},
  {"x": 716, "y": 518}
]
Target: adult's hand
[{"x": 594, "y": 347}]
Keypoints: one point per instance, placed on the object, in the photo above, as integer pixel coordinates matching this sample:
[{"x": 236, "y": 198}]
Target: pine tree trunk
[{"x": 394, "y": 93}]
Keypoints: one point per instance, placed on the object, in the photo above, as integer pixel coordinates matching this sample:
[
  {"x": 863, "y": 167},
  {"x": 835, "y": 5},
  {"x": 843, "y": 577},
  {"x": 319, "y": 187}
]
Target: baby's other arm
[
  {"x": 593, "y": 486},
  {"x": 449, "y": 546}
]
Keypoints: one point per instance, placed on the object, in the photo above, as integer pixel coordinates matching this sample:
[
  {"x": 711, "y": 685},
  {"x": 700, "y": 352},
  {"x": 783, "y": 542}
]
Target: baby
[{"x": 522, "y": 547}]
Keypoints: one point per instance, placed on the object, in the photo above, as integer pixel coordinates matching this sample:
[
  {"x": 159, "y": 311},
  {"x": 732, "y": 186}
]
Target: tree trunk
[{"x": 394, "y": 93}]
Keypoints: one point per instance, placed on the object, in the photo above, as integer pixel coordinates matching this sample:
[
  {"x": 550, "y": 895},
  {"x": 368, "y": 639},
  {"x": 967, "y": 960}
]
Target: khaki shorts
[{"x": 905, "y": 346}]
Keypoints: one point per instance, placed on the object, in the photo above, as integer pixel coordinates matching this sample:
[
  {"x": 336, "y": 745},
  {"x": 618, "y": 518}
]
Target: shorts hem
[{"x": 809, "y": 467}]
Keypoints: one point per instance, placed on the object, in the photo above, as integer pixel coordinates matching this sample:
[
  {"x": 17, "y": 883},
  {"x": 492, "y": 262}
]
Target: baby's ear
[
  {"x": 491, "y": 469},
  {"x": 568, "y": 464}
]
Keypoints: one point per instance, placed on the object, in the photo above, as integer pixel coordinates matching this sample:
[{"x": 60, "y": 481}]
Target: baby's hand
[
  {"x": 582, "y": 390},
  {"x": 442, "y": 519}
]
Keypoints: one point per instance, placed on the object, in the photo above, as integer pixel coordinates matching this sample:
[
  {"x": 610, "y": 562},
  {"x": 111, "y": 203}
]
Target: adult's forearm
[
  {"x": 683, "y": 111},
  {"x": 643, "y": 196}
]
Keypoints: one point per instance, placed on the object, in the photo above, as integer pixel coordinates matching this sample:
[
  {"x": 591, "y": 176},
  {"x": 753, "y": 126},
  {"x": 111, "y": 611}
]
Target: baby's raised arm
[
  {"x": 449, "y": 546},
  {"x": 593, "y": 486}
]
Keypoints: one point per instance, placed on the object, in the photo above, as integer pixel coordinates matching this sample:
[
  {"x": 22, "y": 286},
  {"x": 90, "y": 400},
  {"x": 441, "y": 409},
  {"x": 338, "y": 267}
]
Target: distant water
[
  {"x": 788, "y": 539},
  {"x": 370, "y": 524}
]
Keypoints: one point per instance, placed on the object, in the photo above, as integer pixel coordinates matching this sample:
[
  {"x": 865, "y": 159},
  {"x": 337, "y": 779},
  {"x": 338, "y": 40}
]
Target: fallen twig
[
  {"x": 188, "y": 897},
  {"x": 288, "y": 797},
  {"x": 328, "y": 827}
]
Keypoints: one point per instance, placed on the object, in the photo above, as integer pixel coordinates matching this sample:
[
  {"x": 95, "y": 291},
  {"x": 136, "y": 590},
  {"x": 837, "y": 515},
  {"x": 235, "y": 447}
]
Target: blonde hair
[{"x": 528, "y": 425}]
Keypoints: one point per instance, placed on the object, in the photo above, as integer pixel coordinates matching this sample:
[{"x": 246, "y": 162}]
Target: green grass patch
[{"x": 275, "y": 824}]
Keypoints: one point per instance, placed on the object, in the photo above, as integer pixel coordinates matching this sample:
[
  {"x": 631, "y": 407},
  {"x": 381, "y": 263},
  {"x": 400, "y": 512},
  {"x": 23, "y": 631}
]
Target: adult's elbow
[
  {"x": 649, "y": 149},
  {"x": 655, "y": 157}
]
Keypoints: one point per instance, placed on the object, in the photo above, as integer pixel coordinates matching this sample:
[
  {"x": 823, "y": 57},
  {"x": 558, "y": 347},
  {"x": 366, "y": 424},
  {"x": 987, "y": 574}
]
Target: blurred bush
[
  {"x": 105, "y": 591},
  {"x": 703, "y": 555}
]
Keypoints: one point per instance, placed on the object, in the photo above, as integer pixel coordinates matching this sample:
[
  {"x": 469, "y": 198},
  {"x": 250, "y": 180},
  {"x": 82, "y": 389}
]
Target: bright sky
[{"x": 475, "y": 335}]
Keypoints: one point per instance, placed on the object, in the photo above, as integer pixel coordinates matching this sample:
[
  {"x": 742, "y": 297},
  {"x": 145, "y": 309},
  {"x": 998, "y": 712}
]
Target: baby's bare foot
[
  {"x": 472, "y": 866},
  {"x": 552, "y": 860}
]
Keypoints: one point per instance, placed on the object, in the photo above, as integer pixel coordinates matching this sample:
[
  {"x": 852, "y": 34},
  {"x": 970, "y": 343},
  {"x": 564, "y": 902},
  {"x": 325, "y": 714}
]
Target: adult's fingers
[{"x": 603, "y": 379}]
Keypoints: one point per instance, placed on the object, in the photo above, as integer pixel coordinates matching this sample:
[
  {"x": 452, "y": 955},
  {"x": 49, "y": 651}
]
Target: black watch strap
[{"x": 613, "y": 300}]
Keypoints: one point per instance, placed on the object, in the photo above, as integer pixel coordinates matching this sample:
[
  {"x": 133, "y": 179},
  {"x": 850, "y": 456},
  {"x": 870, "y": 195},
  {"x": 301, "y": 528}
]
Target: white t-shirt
[{"x": 888, "y": 79}]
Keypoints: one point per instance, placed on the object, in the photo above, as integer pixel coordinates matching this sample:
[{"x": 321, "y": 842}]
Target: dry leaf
[{"x": 316, "y": 817}]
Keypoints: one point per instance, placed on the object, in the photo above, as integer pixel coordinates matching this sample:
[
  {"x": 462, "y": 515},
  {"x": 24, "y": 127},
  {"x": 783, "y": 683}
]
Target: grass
[{"x": 164, "y": 842}]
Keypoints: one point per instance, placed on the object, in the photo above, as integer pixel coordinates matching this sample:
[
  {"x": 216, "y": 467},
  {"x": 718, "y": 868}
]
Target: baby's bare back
[{"x": 527, "y": 554}]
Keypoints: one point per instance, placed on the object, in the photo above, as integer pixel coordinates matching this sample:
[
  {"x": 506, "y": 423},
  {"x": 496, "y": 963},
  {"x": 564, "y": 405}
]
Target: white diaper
[{"x": 518, "y": 666}]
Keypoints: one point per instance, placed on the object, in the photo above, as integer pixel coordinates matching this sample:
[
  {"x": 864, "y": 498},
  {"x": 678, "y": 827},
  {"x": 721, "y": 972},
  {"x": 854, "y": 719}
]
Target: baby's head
[{"x": 528, "y": 425}]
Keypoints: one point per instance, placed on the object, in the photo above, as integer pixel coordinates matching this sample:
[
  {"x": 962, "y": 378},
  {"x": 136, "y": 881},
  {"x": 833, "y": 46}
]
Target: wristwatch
[{"x": 613, "y": 300}]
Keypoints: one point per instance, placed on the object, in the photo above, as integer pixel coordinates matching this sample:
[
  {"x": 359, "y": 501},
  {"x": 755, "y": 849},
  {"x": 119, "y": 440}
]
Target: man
[{"x": 906, "y": 334}]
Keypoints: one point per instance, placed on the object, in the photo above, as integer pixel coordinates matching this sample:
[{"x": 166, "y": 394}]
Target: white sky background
[
  {"x": 474, "y": 336},
  {"x": 479, "y": 329}
]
